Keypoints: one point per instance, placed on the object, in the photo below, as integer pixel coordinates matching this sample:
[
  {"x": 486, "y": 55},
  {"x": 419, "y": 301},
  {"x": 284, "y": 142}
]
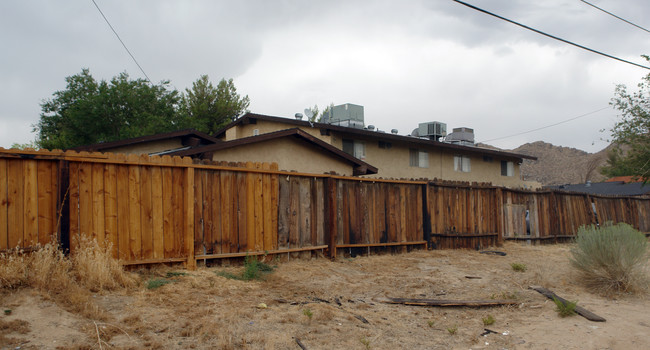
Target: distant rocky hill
[{"x": 557, "y": 165}]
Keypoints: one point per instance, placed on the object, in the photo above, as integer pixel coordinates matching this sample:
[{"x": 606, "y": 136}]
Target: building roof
[
  {"x": 251, "y": 118},
  {"x": 618, "y": 188},
  {"x": 359, "y": 167},
  {"x": 191, "y": 138}
]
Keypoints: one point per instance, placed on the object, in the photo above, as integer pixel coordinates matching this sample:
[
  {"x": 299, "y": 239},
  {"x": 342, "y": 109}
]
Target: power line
[
  {"x": 547, "y": 126},
  {"x": 120, "y": 39},
  {"x": 611, "y": 14},
  {"x": 549, "y": 35}
]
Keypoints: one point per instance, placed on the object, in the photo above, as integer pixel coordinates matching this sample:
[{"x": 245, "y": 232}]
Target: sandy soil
[{"x": 203, "y": 310}]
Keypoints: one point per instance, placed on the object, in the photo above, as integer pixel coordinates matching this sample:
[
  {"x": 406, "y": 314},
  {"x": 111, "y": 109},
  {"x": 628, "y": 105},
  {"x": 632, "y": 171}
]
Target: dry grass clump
[
  {"x": 67, "y": 280},
  {"x": 612, "y": 258},
  {"x": 95, "y": 268},
  {"x": 48, "y": 269}
]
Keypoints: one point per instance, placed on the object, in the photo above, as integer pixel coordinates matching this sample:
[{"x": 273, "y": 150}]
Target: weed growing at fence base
[
  {"x": 565, "y": 309},
  {"x": 156, "y": 283},
  {"x": 611, "y": 258},
  {"x": 253, "y": 270}
]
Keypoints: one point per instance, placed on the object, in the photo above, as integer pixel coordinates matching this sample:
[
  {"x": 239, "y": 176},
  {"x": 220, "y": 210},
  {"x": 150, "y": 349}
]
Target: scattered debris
[
  {"x": 473, "y": 277},
  {"x": 361, "y": 318},
  {"x": 493, "y": 252},
  {"x": 261, "y": 306},
  {"x": 579, "y": 310},
  {"x": 300, "y": 344},
  {"x": 488, "y": 331}
]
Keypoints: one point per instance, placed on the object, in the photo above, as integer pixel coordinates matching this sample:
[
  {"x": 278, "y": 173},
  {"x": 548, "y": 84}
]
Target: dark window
[{"x": 348, "y": 146}]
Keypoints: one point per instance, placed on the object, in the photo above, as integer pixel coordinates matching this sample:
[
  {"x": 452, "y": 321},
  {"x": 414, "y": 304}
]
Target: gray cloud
[{"x": 406, "y": 62}]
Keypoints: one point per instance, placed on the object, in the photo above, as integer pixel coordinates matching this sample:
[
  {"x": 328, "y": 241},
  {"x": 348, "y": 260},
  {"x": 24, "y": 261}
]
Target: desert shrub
[
  {"x": 519, "y": 267},
  {"x": 611, "y": 258},
  {"x": 489, "y": 320},
  {"x": 565, "y": 309}
]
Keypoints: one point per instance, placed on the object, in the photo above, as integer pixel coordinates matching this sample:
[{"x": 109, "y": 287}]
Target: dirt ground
[{"x": 204, "y": 310}]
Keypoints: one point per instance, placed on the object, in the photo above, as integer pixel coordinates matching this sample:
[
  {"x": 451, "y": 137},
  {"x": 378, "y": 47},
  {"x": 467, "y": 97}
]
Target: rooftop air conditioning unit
[{"x": 432, "y": 130}]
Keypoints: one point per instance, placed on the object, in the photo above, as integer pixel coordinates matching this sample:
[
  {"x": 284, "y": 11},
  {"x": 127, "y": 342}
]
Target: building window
[
  {"x": 418, "y": 158},
  {"x": 507, "y": 168},
  {"x": 488, "y": 159},
  {"x": 385, "y": 145},
  {"x": 354, "y": 148},
  {"x": 256, "y": 132},
  {"x": 462, "y": 164}
]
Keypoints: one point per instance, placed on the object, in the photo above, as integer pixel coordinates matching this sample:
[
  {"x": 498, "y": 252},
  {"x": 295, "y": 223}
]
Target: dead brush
[
  {"x": 66, "y": 280},
  {"x": 95, "y": 268}
]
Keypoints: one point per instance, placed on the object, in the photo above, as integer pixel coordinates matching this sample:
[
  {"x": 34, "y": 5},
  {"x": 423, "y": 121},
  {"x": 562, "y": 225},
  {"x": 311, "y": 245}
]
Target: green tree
[
  {"x": 210, "y": 108},
  {"x": 88, "y": 111},
  {"x": 631, "y": 132}
]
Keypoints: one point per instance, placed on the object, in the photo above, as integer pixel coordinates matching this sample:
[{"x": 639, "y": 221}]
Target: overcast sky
[{"x": 406, "y": 62}]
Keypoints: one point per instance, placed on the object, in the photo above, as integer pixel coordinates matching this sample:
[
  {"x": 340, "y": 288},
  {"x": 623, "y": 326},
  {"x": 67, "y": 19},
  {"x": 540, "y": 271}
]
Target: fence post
[
  {"x": 188, "y": 207},
  {"x": 331, "y": 221}
]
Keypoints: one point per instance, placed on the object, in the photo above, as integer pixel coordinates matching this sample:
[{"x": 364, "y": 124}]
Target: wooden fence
[{"x": 171, "y": 209}]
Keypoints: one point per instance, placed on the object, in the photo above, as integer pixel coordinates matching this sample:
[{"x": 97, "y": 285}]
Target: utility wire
[
  {"x": 611, "y": 14},
  {"x": 120, "y": 39},
  {"x": 547, "y": 126},
  {"x": 549, "y": 35}
]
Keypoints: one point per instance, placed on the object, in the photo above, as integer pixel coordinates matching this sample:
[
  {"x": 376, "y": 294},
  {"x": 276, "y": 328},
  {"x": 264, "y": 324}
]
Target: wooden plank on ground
[
  {"x": 579, "y": 309},
  {"x": 446, "y": 303}
]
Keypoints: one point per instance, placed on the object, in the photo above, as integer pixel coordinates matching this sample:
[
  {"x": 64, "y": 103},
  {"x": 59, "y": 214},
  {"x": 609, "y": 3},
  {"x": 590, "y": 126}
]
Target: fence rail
[{"x": 170, "y": 209}]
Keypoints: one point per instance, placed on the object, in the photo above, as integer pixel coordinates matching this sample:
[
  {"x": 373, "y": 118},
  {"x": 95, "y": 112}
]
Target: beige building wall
[
  {"x": 149, "y": 147},
  {"x": 393, "y": 162},
  {"x": 290, "y": 154}
]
